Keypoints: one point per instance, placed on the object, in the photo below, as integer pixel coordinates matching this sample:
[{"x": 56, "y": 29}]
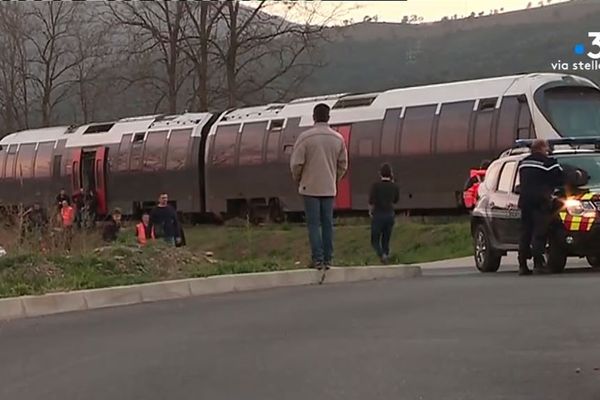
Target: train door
[
  {"x": 343, "y": 201},
  {"x": 89, "y": 172}
]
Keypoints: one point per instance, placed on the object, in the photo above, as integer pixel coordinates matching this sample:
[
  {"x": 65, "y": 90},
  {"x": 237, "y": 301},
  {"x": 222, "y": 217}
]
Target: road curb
[{"x": 55, "y": 303}]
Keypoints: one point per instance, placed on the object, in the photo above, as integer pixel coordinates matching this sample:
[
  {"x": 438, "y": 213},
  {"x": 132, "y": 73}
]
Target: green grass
[{"x": 235, "y": 250}]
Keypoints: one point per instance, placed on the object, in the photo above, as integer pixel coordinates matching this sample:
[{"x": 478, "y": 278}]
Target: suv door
[
  {"x": 514, "y": 228},
  {"x": 503, "y": 205}
]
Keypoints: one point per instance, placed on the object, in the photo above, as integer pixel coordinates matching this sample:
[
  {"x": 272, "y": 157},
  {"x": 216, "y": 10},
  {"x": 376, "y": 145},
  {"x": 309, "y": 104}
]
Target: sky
[{"x": 430, "y": 10}]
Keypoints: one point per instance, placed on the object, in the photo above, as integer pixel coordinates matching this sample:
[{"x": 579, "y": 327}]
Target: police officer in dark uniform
[{"x": 539, "y": 176}]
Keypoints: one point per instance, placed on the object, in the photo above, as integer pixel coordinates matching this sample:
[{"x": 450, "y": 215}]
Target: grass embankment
[{"x": 25, "y": 270}]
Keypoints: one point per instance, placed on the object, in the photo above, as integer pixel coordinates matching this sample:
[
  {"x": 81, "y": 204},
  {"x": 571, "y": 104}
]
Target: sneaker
[
  {"x": 385, "y": 259},
  {"x": 327, "y": 265},
  {"x": 315, "y": 265},
  {"x": 524, "y": 271},
  {"x": 539, "y": 266}
]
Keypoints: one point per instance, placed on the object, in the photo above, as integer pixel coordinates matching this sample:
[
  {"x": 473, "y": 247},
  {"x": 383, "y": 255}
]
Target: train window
[
  {"x": 487, "y": 104},
  {"x": 365, "y": 148},
  {"x": 56, "y": 166},
  {"x": 506, "y": 177},
  {"x": 123, "y": 159},
  {"x": 11, "y": 156},
  {"x": 416, "y": 131},
  {"x": 224, "y": 148},
  {"x": 251, "y": 143},
  {"x": 483, "y": 131},
  {"x": 154, "y": 159},
  {"x": 453, "y": 128},
  {"x": 178, "y": 148},
  {"x": 273, "y": 146},
  {"x": 25, "y": 161},
  {"x": 525, "y": 128},
  {"x": 139, "y": 137},
  {"x": 506, "y": 133},
  {"x": 43, "y": 159},
  {"x": 137, "y": 149},
  {"x": 276, "y": 124},
  {"x": 389, "y": 131}
]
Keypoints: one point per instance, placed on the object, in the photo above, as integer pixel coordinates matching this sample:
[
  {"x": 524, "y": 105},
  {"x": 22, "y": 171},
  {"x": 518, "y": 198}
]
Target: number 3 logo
[{"x": 595, "y": 42}]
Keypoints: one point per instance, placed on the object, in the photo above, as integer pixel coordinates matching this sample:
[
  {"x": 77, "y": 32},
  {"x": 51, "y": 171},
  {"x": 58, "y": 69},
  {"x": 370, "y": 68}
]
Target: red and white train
[{"x": 236, "y": 161}]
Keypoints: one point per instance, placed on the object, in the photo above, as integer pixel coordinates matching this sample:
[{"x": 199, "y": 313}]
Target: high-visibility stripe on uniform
[{"x": 587, "y": 196}]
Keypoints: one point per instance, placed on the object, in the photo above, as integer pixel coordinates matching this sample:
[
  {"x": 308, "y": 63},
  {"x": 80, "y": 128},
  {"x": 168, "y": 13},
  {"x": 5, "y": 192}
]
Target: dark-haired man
[
  {"x": 318, "y": 162},
  {"x": 164, "y": 221}
]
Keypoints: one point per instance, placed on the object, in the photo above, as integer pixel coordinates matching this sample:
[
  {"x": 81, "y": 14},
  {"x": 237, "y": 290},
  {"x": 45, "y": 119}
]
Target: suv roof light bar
[
  {"x": 523, "y": 145},
  {"x": 573, "y": 142}
]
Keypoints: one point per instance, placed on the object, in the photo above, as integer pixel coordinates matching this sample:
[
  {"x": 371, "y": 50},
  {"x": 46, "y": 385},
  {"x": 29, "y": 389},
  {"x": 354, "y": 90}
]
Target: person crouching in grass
[
  {"x": 382, "y": 197},
  {"x": 111, "y": 230}
]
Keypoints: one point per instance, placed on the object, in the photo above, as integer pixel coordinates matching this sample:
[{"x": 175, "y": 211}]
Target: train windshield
[
  {"x": 573, "y": 111},
  {"x": 589, "y": 163}
]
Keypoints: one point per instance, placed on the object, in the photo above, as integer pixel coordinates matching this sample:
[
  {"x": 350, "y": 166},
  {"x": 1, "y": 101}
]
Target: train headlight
[{"x": 580, "y": 208}]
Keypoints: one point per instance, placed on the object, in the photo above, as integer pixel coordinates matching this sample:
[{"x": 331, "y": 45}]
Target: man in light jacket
[{"x": 318, "y": 162}]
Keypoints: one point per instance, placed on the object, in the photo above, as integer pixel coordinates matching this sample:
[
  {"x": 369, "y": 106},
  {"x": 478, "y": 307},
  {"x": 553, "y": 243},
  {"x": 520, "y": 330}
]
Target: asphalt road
[{"x": 452, "y": 334}]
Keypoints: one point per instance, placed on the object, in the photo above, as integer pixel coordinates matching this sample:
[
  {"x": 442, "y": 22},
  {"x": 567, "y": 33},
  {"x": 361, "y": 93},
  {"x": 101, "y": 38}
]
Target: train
[{"x": 236, "y": 162}]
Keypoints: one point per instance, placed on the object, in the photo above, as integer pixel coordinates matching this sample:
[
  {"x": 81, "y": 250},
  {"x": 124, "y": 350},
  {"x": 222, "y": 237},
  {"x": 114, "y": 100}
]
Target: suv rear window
[
  {"x": 491, "y": 176},
  {"x": 506, "y": 177}
]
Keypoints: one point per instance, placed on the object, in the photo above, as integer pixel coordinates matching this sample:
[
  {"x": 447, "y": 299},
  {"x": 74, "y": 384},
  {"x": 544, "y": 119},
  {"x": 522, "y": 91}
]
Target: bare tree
[
  {"x": 92, "y": 74},
  {"x": 14, "y": 107},
  {"x": 258, "y": 49},
  {"x": 52, "y": 58},
  {"x": 157, "y": 28},
  {"x": 203, "y": 17}
]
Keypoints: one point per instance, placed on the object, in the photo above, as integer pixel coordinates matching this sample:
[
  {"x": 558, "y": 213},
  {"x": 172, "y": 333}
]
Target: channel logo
[
  {"x": 580, "y": 48},
  {"x": 590, "y": 50}
]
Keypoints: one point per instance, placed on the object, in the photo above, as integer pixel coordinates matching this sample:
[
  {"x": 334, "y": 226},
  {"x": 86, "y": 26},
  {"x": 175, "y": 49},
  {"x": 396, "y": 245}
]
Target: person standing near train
[
  {"x": 318, "y": 162},
  {"x": 164, "y": 221}
]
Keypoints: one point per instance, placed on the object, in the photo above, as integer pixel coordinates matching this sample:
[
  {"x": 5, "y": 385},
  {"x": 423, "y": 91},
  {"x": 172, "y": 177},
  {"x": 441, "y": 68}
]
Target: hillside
[{"x": 375, "y": 56}]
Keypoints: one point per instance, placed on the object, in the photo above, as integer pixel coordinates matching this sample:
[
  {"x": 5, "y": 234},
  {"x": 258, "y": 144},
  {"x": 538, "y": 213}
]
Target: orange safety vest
[
  {"x": 471, "y": 195},
  {"x": 141, "y": 233},
  {"x": 67, "y": 213}
]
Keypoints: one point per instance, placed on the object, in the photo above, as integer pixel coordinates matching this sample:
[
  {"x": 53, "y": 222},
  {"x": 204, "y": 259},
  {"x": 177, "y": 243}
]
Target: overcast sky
[{"x": 430, "y": 10}]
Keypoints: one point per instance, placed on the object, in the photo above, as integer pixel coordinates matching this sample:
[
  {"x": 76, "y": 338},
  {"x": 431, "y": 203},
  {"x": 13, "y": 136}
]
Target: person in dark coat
[
  {"x": 91, "y": 206},
  {"x": 382, "y": 197},
  {"x": 111, "y": 230},
  {"x": 540, "y": 175},
  {"x": 79, "y": 203},
  {"x": 164, "y": 221},
  {"x": 62, "y": 196}
]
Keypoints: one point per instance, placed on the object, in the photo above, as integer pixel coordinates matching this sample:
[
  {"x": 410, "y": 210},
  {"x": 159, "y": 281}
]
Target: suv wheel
[
  {"x": 556, "y": 254},
  {"x": 487, "y": 259},
  {"x": 594, "y": 261}
]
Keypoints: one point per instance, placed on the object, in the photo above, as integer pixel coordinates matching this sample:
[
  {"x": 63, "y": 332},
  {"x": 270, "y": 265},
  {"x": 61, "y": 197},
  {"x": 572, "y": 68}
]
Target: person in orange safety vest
[
  {"x": 67, "y": 215},
  {"x": 143, "y": 231},
  {"x": 471, "y": 190}
]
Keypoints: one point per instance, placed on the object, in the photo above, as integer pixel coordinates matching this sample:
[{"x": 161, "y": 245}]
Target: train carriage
[{"x": 236, "y": 162}]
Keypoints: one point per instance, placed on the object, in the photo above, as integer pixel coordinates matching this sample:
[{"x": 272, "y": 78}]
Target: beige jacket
[{"x": 319, "y": 160}]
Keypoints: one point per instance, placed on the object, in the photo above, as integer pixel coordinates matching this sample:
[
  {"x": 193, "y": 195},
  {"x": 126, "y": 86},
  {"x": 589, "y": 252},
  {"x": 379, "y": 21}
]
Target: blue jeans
[
  {"x": 381, "y": 233},
  {"x": 319, "y": 218}
]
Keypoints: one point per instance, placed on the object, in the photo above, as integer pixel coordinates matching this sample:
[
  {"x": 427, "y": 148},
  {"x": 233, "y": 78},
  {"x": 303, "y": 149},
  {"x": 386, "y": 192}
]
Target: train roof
[
  {"x": 346, "y": 108},
  {"x": 107, "y": 132},
  {"x": 369, "y": 106}
]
